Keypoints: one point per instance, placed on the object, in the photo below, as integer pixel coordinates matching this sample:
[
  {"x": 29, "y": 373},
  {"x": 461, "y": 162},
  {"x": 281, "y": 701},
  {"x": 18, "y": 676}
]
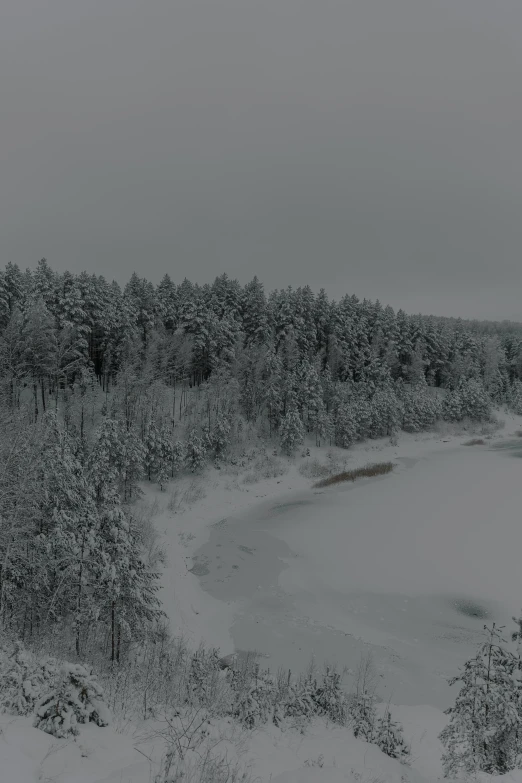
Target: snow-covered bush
[
  {"x": 266, "y": 466},
  {"x": 330, "y": 698},
  {"x": 23, "y": 679},
  {"x": 295, "y": 702},
  {"x": 76, "y": 697},
  {"x": 363, "y": 716},
  {"x": 254, "y": 704}
]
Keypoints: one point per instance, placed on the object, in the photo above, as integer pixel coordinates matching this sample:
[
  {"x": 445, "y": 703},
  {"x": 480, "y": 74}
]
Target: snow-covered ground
[{"x": 396, "y": 565}]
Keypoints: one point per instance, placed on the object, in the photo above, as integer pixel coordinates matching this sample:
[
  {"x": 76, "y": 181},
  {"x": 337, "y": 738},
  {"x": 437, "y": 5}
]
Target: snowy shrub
[
  {"x": 23, "y": 679},
  {"x": 204, "y": 669},
  {"x": 330, "y": 698},
  {"x": 265, "y": 467},
  {"x": 195, "y": 491},
  {"x": 363, "y": 716},
  {"x": 297, "y": 702},
  {"x": 76, "y": 697},
  {"x": 367, "y": 471},
  {"x": 389, "y": 738},
  {"x": 254, "y": 704},
  {"x": 314, "y": 468},
  {"x": 361, "y": 702}
]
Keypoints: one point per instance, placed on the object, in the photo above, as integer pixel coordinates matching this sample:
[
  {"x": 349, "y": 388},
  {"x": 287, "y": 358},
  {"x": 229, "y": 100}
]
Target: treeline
[{"x": 289, "y": 351}]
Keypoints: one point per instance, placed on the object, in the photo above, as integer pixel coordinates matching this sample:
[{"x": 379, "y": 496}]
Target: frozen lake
[{"x": 409, "y": 565}]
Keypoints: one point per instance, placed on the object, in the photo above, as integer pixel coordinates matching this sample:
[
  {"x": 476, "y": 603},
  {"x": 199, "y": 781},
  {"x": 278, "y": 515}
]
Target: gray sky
[{"x": 370, "y": 147}]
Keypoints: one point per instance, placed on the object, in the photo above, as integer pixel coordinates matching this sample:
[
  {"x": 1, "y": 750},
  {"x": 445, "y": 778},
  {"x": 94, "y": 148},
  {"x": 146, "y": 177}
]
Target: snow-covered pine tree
[
  {"x": 221, "y": 435},
  {"x": 196, "y": 454},
  {"x": 77, "y": 697},
  {"x": 126, "y": 583},
  {"x": 515, "y": 397},
  {"x": 476, "y": 404},
  {"x": 24, "y": 680},
  {"x": 483, "y": 732},
  {"x": 389, "y": 737},
  {"x": 153, "y": 455},
  {"x": 386, "y": 412},
  {"x": 330, "y": 698},
  {"x": 67, "y": 540},
  {"x": 291, "y": 432},
  {"x": 362, "y": 712},
  {"x": 453, "y": 406},
  {"x": 345, "y": 425},
  {"x": 178, "y": 452}
]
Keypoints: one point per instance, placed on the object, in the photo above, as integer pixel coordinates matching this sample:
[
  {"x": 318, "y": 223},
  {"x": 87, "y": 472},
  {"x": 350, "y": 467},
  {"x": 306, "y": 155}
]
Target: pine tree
[
  {"x": 196, "y": 454},
  {"x": 389, "y": 738},
  {"x": 291, "y": 432},
  {"x": 515, "y": 397},
  {"x": 77, "y": 697},
  {"x": 483, "y": 732},
  {"x": 126, "y": 584},
  {"x": 39, "y": 349},
  {"x": 345, "y": 425}
]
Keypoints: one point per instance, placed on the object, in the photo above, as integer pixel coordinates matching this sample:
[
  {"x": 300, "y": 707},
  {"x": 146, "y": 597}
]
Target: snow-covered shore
[
  {"x": 263, "y": 566},
  {"x": 254, "y": 527}
]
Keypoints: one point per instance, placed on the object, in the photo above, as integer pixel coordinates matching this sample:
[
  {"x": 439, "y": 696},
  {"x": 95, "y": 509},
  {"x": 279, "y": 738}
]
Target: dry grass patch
[
  {"x": 475, "y": 442},
  {"x": 368, "y": 471}
]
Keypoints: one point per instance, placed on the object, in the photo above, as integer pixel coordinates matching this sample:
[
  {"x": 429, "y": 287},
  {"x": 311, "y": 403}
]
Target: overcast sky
[{"x": 365, "y": 146}]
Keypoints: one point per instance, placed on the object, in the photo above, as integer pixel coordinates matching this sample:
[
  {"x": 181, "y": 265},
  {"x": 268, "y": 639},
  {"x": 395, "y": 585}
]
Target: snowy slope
[{"x": 337, "y": 587}]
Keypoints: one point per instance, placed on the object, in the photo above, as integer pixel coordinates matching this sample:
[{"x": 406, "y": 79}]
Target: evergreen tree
[
  {"x": 483, "y": 732},
  {"x": 291, "y": 432},
  {"x": 389, "y": 738},
  {"x": 196, "y": 455}
]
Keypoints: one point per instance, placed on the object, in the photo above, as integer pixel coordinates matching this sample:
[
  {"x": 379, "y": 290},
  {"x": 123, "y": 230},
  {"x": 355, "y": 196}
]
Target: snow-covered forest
[{"x": 104, "y": 390}]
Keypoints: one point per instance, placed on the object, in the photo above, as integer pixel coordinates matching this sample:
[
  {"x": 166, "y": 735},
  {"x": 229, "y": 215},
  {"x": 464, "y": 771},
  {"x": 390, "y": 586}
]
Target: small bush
[
  {"x": 76, "y": 697},
  {"x": 265, "y": 467},
  {"x": 377, "y": 469},
  {"x": 475, "y": 442},
  {"x": 23, "y": 679},
  {"x": 195, "y": 491},
  {"x": 389, "y": 738}
]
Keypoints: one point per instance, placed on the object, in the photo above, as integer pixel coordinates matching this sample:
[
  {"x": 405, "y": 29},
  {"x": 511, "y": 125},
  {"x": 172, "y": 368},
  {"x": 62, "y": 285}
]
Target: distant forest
[{"x": 291, "y": 351}]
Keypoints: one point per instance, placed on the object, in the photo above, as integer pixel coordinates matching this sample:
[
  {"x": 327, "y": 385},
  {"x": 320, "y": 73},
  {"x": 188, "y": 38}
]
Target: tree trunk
[
  {"x": 42, "y": 387},
  {"x": 113, "y": 639}
]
